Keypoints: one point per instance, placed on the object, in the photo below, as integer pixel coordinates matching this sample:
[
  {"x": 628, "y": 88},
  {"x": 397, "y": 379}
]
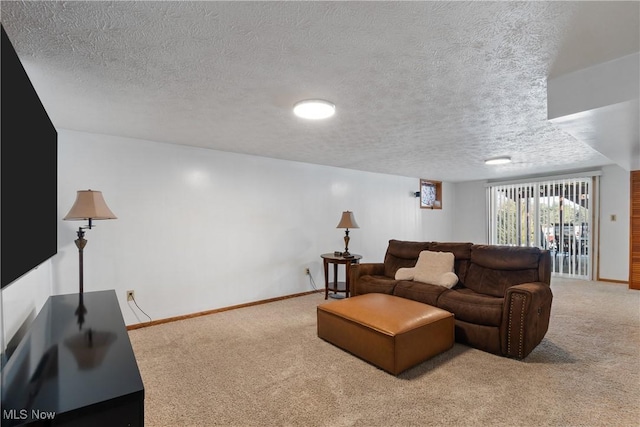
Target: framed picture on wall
[{"x": 430, "y": 194}]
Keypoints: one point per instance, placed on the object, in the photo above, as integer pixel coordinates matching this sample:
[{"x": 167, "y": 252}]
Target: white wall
[
  {"x": 470, "y": 217},
  {"x": 438, "y": 224},
  {"x": 614, "y": 235},
  {"x": 200, "y": 229}
]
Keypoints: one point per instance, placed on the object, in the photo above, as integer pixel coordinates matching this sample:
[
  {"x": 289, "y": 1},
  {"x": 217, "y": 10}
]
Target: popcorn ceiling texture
[{"x": 423, "y": 89}]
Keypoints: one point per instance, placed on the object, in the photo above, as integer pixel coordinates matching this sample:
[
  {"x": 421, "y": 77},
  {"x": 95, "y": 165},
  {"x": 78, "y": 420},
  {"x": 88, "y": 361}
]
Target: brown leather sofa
[{"x": 501, "y": 303}]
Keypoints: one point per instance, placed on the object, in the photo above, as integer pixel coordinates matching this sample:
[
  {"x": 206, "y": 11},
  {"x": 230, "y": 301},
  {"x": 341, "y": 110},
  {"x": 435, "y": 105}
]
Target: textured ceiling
[{"x": 422, "y": 89}]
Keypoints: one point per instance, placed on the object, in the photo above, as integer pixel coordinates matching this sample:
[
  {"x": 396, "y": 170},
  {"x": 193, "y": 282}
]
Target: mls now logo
[{"x": 23, "y": 414}]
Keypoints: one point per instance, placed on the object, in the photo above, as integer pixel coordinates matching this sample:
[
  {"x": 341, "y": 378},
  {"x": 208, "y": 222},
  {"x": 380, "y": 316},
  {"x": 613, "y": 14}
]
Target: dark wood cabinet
[{"x": 75, "y": 367}]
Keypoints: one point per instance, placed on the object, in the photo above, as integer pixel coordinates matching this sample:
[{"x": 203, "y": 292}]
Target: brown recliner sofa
[{"x": 501, "y": 303}]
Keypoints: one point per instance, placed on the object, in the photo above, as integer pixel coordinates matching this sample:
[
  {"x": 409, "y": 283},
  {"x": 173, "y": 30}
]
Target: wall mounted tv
[{"x": 28, "y": 173}]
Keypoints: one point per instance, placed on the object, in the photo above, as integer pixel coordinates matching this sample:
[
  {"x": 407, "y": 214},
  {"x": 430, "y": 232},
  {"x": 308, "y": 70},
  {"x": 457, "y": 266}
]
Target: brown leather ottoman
[{"x": 390, "y": 332}]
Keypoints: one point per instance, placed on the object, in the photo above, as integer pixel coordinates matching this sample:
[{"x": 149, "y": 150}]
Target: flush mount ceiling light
[
  {"x": 498, "y": 160},
  {"x": 314, "y": 109}
]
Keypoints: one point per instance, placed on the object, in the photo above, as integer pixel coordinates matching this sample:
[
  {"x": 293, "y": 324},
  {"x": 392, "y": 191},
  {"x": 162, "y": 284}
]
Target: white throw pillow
[
  {"x": 405, "y": 273},
  {"x": 435, "y": 268}
]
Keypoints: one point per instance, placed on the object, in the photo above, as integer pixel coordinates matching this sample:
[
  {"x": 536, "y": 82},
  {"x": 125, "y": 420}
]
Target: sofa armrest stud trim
[{"x": 520, "y": 299}]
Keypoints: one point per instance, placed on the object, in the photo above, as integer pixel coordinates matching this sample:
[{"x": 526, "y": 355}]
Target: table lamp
[{"x": 347, "y": 221}]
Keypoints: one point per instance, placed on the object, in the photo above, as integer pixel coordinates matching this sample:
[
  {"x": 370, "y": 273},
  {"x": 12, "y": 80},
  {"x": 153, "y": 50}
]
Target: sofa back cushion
[
  {"x": 462, "y": 253},
  {"x": 402, "y": 254},
  {"x": 493, "y": 269}
]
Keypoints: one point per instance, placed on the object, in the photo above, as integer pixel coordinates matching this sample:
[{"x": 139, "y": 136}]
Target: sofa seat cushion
[
  {"x": 373, "y": 283},
  {"x": 418, "y": 291},
  {"x": 472, "y": 307}
]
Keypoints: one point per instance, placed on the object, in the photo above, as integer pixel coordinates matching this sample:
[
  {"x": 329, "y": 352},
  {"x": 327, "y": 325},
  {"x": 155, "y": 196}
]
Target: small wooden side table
[{"x": 337, "y": 260}]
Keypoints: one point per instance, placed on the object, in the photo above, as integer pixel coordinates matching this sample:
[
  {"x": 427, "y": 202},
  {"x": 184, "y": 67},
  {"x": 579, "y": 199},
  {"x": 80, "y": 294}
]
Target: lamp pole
[{"x": 81, "y": 242}]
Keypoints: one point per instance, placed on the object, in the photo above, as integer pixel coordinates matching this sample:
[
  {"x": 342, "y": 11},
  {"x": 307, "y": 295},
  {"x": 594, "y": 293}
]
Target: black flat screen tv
[{"x": 28, "y": 173}]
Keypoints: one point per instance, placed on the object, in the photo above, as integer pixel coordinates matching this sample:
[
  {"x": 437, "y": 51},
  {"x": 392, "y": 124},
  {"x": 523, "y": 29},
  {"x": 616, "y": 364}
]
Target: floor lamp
[{"x": 89, "y": 206}]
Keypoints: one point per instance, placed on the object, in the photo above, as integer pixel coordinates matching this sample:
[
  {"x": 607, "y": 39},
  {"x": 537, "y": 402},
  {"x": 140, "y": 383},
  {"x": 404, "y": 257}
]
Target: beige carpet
[{"x": 265, "y": 366}]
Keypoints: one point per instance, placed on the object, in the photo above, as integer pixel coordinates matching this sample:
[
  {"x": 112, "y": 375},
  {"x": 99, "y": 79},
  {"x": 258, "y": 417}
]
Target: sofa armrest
[
  {"x": 368, "y": 268},
  {"x": 363, "y": 269},
  {"x": 525, "y": 318}
]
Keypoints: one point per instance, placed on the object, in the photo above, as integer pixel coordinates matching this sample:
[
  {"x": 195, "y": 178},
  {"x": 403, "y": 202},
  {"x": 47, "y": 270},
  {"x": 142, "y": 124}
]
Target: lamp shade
[
  {"x": 347, "y": 220},
  {"x": 89, "y": 204}
]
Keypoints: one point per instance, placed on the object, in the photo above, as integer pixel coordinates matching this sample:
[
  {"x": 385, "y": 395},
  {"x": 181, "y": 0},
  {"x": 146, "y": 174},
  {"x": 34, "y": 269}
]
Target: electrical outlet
[
  {"x": 307, "y": 272},
  {"x": 131, "y": 296}
]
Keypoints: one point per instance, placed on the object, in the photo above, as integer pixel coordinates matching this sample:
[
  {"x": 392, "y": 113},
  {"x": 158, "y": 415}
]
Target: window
[{"x": 556, "y": 215}]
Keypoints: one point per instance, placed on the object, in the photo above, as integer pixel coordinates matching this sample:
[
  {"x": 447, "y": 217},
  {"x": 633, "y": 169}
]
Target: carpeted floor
[{"x": 265, "y": 366}]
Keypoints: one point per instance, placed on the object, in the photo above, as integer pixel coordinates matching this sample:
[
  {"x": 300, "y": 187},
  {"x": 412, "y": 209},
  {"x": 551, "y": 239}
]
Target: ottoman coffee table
[{"x": 390, "y": 332}]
